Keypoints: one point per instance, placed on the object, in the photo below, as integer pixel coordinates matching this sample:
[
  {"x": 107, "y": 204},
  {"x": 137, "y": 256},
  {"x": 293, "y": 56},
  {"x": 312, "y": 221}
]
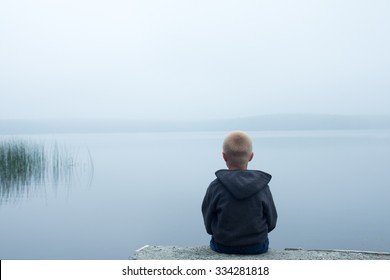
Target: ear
[
  {"x": 251, "y": 157},
  {"x": 224, "y": 156}
]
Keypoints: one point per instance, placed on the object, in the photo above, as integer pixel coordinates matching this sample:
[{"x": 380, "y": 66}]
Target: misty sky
[{"x": 181, "y": 59}]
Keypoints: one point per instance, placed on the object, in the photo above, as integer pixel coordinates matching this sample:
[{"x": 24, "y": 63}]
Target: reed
[{"x": 26, "y": 163}]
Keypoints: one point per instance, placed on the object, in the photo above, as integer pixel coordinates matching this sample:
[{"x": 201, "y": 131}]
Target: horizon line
[{"x": 194, "y": 119}]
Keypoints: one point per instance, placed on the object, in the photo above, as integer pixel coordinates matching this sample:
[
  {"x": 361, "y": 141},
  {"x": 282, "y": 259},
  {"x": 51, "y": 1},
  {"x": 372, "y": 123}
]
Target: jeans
[{"x": 244, "y": 250}]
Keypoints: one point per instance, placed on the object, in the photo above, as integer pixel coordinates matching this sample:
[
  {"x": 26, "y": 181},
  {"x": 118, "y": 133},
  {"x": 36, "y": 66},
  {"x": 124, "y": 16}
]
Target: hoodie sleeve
[
  {"x": 270, "y": 210},
  {"x": 208, "y": 210}
]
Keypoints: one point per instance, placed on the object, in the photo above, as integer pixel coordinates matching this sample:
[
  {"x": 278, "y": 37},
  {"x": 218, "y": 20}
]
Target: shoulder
[
  {"x": 261, "y": 174},
  {"x": 214, "y": 185},
  {"x": 216, "y": 188}
]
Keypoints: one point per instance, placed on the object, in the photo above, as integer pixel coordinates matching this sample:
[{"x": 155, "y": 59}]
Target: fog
[{"x": 192, "y": 60}]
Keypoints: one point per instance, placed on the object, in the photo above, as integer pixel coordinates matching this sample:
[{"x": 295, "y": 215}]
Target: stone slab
[{"x": 205, "y": 253}]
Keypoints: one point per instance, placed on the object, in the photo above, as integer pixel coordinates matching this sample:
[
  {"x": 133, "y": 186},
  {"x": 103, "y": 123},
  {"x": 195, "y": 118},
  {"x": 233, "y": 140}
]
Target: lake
[{"x": 331, "y": 189}]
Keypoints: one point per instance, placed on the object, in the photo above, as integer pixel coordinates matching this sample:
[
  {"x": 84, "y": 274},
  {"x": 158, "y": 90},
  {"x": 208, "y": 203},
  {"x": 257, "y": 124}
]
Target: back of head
[{"x": 237, "y": 147}]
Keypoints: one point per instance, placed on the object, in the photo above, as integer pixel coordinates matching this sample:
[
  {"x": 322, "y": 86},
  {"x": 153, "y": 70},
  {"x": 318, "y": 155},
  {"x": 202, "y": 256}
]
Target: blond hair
[{"x": 237, "y": 147}]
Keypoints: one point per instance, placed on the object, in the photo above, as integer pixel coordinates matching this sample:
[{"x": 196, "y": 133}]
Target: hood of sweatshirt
[{"x": 243, "y": 183}]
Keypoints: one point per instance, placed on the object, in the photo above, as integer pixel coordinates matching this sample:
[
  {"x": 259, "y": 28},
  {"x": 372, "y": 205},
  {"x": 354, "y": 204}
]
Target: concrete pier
[{"x": 205, "y": 253}]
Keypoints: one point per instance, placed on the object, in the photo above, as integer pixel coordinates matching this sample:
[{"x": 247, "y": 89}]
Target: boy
[{"x": 238, "y": 208}]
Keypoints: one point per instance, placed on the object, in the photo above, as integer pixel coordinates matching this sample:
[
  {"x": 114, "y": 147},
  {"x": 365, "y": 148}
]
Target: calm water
[{"x": 331, "y": 189}]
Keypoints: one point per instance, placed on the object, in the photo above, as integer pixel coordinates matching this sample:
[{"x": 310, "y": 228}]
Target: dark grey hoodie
[{"x": 238, "y": 208}]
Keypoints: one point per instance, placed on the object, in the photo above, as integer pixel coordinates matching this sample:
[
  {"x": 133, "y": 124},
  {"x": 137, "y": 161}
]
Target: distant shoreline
[{"x": 256, "y": 123}]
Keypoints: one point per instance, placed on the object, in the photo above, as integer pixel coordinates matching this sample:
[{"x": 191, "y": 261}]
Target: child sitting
[{"x": 238, "y": 208}]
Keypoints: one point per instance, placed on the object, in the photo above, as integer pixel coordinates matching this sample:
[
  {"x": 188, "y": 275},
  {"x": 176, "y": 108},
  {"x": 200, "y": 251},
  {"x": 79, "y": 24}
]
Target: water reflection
[{"x": 26, "y": 164}]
